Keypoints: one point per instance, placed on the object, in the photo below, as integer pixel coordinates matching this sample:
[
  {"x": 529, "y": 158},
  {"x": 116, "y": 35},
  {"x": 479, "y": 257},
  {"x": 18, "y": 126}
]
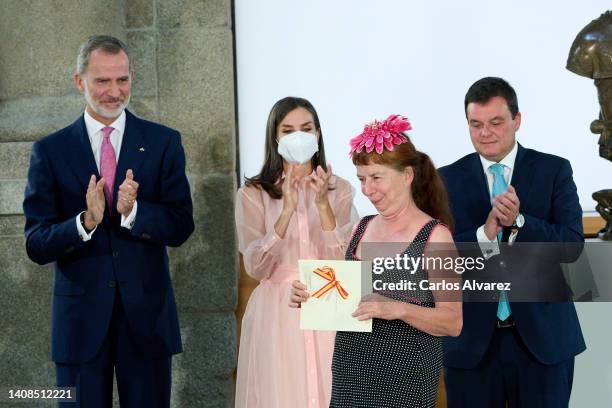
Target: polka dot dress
[{"x": 395, "y": 365}]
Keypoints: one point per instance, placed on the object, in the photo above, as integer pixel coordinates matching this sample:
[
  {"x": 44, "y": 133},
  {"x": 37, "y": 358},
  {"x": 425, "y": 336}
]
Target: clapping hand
[
  {"x": 128, "y": 191},
  {"x": 289, "y": 188},
  {"x": 95, "y": 203},
  {"x": 507, "y": 205},
  {"x": 319, "y": 181},
  {"x": 492, "y": 225},
  {"x": 505, "y": 209}
]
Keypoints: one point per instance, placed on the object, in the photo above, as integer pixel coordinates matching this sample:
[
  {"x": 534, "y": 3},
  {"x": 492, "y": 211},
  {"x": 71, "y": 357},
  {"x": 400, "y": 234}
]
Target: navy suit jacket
[
  {"x": 133, "y": 262},
  {"x": 549, "y": 203}
]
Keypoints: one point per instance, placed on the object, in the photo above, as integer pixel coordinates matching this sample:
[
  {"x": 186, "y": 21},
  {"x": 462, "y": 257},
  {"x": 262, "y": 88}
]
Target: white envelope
[{"x": 335, "y": 291}]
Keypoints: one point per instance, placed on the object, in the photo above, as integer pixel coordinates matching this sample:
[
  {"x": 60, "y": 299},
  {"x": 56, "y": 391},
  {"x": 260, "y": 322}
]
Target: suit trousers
[
  {"x": 142, "y": 381},
  {"x": 509, "y": 373}
]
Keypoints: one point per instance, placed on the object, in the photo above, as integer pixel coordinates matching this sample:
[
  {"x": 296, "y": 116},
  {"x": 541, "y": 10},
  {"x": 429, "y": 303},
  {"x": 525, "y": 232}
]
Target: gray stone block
[
  {"x": 197, "y": 399},
  {"x": 29, "y": 119},
  {"x": 204, "y": 371},
  {"x": 14, "y": 160},
  {"x": 190, "y": 13},
  {"x": 143, "y": 45},
  {"x": 205, "y": 270},
  {"x": 194, "y": 61},
  {"x": 48, "y": 403},
  {"x": 145, "y": 108},
  {"x": 11, "y": 196},
  {"x": 197, "y": 96},
  {"x": 11, "y": 225},
  {"x": 139, "y": 13},
  {"x": 212, "y": 151},
  {"x": 25, "y": 313},
  {"x": 48, "y": 35},
  {"x": 209, "y": 139},
  {"x": 18, "y": 272}
]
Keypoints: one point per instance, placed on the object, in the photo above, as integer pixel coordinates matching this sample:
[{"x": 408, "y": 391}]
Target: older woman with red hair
[{"x": 397, "y": 364}]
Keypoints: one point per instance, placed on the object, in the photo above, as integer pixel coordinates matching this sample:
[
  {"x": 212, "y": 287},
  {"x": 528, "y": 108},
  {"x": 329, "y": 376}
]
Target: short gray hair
[{"x": 105, "y": 43}]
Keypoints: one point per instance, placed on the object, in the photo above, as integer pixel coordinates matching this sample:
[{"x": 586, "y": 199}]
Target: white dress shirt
[
  {"x": 94, "y": 132},
  {"x": 490, "y": 247}
]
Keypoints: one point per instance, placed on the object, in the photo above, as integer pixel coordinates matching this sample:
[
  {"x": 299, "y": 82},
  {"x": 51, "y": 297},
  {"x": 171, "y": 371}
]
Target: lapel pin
[{"x": 141, "y": 149}]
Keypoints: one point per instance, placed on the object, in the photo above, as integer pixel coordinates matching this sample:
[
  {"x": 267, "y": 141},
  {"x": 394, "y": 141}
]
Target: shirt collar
[
  {"x": 93, "y": 126},
  {"x": 507, "y": 161}
]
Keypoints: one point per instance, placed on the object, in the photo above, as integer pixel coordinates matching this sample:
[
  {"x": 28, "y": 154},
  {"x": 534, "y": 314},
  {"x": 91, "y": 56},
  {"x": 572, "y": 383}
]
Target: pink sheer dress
[{"x": 279, "y": 365}]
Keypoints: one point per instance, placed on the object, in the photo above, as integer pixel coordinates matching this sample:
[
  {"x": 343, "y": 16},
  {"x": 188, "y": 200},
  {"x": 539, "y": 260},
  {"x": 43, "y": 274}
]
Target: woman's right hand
[
  {"x": 290, "y": 200},
  {"x": 298, "y": 294},
  {"x": 290, "y": 194}
]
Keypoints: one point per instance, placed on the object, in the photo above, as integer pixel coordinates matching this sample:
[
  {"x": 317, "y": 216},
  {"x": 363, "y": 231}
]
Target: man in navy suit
[
  {"x": 515, "y": 353},
  {"x": 104, "y": 198}
]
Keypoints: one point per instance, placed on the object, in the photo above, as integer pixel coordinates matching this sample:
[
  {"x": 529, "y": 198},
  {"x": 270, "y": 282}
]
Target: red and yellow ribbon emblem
[{"x": 329, "y": 274}]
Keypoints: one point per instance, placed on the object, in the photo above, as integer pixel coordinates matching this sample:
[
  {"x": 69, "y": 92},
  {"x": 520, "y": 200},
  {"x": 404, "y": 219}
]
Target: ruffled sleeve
[{"x": 260, "y": 248}]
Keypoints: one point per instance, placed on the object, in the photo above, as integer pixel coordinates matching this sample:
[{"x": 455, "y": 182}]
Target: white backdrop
[{"x": 356, "y": 60}]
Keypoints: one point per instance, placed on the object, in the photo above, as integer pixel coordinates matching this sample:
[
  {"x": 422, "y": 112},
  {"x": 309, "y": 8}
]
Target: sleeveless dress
[{"x": 396, "y": 365}]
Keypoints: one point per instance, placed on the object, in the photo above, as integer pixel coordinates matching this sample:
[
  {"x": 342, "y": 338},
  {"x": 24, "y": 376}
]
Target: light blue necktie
[{"x": 499, "y": 187}]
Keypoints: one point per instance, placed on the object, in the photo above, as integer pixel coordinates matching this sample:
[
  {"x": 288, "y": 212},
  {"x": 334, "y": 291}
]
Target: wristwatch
[{"x": 519, "y": 221}]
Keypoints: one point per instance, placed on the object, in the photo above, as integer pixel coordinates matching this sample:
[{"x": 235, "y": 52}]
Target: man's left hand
[
  {"x": 128, "y": 191},
  {"x": 508, "y": 205}
]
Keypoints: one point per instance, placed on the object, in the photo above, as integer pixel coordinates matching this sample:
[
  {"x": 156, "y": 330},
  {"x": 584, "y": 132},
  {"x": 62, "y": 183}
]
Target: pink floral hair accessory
[{"x": 379, "y": 135}]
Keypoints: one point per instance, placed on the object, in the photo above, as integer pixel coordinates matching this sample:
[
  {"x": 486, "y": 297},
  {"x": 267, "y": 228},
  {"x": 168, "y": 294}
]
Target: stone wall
[{"x": 183, "y": 56}]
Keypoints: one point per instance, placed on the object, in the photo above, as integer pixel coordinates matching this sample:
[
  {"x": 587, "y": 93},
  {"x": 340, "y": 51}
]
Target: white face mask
[{"x": 298, "y": 147}]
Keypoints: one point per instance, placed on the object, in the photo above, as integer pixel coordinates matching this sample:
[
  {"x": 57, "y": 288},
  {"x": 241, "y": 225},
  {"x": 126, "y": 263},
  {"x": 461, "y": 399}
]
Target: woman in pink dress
[{"x": 293, "y": 209}]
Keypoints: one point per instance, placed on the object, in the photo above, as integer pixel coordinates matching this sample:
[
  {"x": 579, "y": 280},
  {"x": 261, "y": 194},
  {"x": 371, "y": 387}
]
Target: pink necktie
[{"x": 108, "y": 166}]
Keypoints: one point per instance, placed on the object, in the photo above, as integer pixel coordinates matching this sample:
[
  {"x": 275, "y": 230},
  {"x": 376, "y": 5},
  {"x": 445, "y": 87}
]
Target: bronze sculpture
[{"x": 591, "y": 56}]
